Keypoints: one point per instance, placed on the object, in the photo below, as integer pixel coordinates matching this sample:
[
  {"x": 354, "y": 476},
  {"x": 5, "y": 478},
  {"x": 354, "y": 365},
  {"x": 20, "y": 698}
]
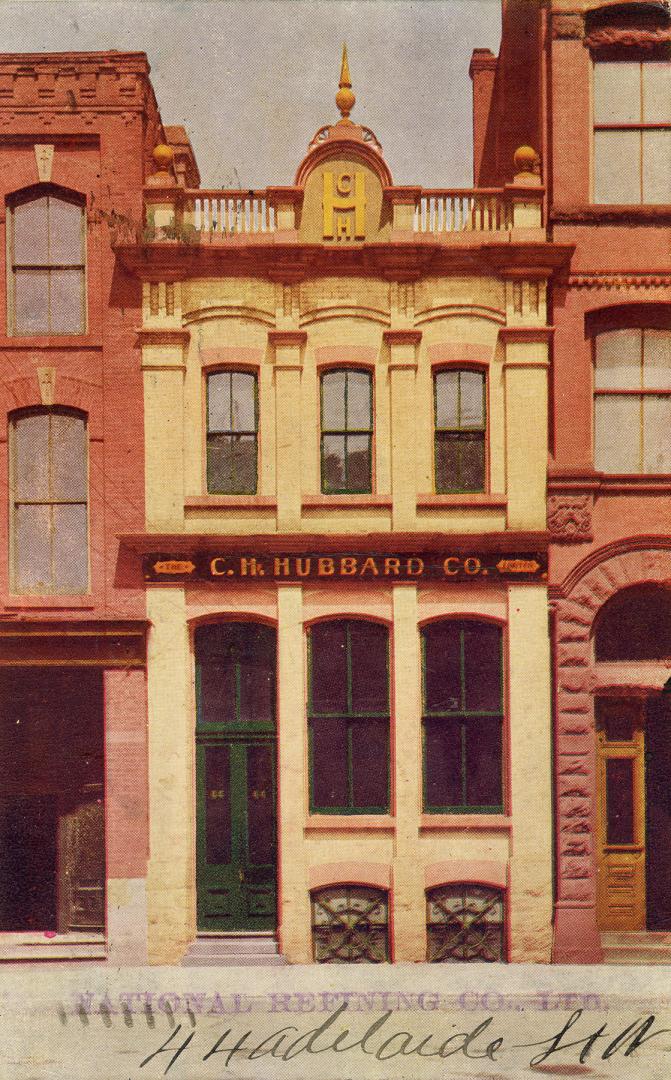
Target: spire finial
[{"x": 345, "y": 99}]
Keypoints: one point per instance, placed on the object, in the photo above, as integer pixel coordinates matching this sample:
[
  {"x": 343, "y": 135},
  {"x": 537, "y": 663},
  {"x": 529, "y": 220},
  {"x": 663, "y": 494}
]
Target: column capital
[
  {"x": 287, "y": 337},
  {"x": 402, "y": 337}
]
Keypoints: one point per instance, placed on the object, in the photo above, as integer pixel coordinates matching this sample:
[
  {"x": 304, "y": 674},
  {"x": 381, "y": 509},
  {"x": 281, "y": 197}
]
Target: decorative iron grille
[
  {"x": 349, "y": 925},
  {"x": 464, "y": 923}
]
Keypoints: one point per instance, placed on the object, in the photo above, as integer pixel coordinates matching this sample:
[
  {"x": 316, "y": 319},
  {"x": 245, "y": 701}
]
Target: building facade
[
  {"x": 601, "y": 77},
  {"x": 76, "y": 134},
  {"x": 345, "y": 402}
]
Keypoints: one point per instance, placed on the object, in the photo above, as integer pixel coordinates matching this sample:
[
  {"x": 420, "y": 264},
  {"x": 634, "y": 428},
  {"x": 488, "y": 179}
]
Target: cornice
[
  {"x": 610, "y": 214},
  {"x": 291, "y": 262},
  {"x": 618, "y": 280}
]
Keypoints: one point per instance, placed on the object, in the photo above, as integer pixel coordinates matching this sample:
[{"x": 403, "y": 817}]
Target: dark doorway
[
  {"x": 658, "y": 812},
  {"x": 52, "y": 847}
]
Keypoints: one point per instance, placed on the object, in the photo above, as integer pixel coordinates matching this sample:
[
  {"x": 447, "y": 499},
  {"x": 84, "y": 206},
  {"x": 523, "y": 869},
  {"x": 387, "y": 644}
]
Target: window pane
[
  {"x": 447, "y": 384},
  {"x": 32, "y": 549},
  {"x": 358, "y": 401},
  {"x": 244, "y": 401},
  {"x": 472, "y": 408},
  {"x": 31, "y": 302},
  {"x": 260, "y": 805},
  {"x": 618, "y": 360},
  {"x": 220, "y": 467},
  {"x": 70, "y": 549},
  {"x": 617, "y": 427},
  {"x": 66, "y": 233},
  {"x": 31, "y": 450},
  {"x": 617, "y": 92},
  {"x": 482, "y": 667},
  {"x": 244, "y": 456},
  {"x": 68, "y": 457},
  {"x": 219, "y": 402},
  {"x": 617, "y": 167},
  {"x": 657, "y": 359},
  {"x": 442, "y": 756},
  {"x": 657, "y": 434},
  {"x": 657, "y": 167},
  {"x": 217, "y": 805},
  {"x": 447, "y": 462},
  {"x": 620, "y": 801},
  {"x": 333, "y": 463},
  {"x": 368, "y": 642},
  {"x": 329, "y": 763},
  {"x": 328, "y": 663},
  {"x": 66, "y": 300},
  {"x": 442, "y": 667},
  {"x": 471, "y": 450},
  {"x": 370, "y": 763},
  {"x": 358, "y": 463},
  {"x": 30, "y": 233},
  {"x": 257, "y": 688},
  {"x": 656, "y": 92},
  {"x": 483, "y": 763},
  {"x": 333, "y": 401},
  {"x": 217, "y": 692}
]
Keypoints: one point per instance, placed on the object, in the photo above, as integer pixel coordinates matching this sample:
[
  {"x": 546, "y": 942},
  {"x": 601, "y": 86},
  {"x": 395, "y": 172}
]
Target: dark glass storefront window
[{"x": 348, "y": 716}]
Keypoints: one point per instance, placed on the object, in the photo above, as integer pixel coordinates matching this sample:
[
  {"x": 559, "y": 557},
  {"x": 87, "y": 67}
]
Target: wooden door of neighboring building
[{"x": 621, "y": 854}]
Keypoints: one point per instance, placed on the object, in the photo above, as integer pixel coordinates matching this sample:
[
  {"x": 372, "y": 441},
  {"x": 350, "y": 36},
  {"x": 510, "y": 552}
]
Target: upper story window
[
  {"x": 47, "y": 241},
  {"x": 462, "y": 716},
  {"x": 348, "y": 715},
  {"x": 48, "y": 492},
  {"x": 632, "y": 400},
  {"x": 346, "y": 431},
  {"x": 632, "y": 131},
  {"x": 459, "y": 438},
  {"x": 232, "y": 433}
]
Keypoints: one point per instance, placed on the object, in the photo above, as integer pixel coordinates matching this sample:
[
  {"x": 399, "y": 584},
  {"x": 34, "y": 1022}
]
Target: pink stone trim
[
  {"x": 481, "y": 873},
  {"x": 230, "y": 354},
  {"x": 444, "y": 352},
  {"x": 350, "y": 873},
  {"x": 345, "y": 354}
]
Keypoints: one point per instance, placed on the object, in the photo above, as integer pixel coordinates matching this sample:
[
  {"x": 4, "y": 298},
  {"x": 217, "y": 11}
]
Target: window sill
[
  {"x": 471, "y": 498},
  {"x": 364, "y": 499},
  {"x": 51, "y": 341},
  {"x": 241, "y": 502},
  {"x": 484, "y": 822},
  {"x": 48, "y": 602},
  {"x": 350, "y": 822}
]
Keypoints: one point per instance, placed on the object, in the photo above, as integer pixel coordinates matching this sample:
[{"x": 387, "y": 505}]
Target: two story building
[{"x": 345, "y": 557}]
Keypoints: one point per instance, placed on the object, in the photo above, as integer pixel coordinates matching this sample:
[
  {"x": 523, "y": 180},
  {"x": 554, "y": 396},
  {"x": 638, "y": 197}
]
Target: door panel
[
  {"x": 236, "y": 846},
  {"x": 658, "y": 790},
  {"x": 621, "y": 889}
]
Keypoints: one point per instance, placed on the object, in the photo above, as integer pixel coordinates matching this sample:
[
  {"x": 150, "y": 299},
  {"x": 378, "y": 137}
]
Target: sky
[{"x": 252, "y": 80}]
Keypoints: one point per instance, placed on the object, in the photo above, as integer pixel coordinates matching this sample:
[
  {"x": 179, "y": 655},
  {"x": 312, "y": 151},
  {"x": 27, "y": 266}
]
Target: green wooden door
[{"x": 235, "y": 774}]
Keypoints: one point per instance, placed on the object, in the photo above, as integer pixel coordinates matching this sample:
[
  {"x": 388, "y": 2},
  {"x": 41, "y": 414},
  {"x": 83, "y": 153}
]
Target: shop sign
[{"x": 235, "y": 567}]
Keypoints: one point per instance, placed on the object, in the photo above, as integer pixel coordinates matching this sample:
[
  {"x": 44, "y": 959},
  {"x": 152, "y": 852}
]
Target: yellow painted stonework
[{"x": 401, "y": 328}]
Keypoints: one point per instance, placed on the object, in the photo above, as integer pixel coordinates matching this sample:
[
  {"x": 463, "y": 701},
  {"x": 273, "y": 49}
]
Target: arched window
[
  {"x": 350, "y": 925},
  {"x": 462, "y": 716},
  {"x": 232, "y": 427},
  {"x": 49, "y": 497},
  {"x": 464, "y": 923},
  {"x": 346, "y": 431},
  {"x": 460, "y": 425},
  {"x": 635, "y": 624},
  {"x": 47, "y": 244},
  {"x": 348, "y": 716},
  {"x": 632, "y": 400}
]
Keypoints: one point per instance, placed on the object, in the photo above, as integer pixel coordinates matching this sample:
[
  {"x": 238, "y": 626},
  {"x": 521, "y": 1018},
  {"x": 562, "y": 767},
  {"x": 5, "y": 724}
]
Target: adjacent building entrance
[
  {"x": 52, "y": 835},
  {"x": 634, "y": 813},
  {"x": 235, "y": 778}
]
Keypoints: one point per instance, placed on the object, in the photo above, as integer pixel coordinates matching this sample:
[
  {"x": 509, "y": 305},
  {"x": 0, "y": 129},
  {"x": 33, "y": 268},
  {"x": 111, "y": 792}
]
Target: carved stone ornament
[
  {"x": 571, "y": 25},
  {"x": 570, "y": 518},
  {"x": 629, "y": 37}
]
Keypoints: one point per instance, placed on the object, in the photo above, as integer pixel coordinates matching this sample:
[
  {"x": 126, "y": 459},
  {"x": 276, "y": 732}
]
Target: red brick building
[
  {"x": 589, "y": 85},
  {"x": 76, "y": 132}
]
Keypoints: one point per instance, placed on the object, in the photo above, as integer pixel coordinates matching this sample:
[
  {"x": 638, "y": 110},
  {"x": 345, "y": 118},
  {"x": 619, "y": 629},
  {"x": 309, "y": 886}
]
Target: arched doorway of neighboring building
[{"x": 632, "y": 645}]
